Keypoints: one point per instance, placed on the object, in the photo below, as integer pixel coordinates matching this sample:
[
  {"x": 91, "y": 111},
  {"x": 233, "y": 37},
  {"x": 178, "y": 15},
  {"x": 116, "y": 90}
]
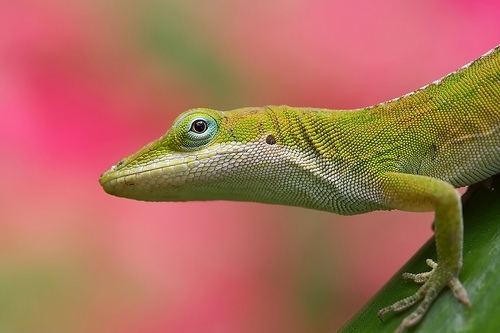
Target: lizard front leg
[{"x": 417, "y": 193}]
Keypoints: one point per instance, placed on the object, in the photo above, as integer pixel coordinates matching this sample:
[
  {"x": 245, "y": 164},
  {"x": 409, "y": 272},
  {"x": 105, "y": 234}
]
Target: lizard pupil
[{"x": 199, "y": 126}]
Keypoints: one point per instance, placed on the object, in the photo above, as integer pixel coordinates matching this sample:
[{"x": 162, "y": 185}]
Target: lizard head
[{"x": 206, "y": 155}]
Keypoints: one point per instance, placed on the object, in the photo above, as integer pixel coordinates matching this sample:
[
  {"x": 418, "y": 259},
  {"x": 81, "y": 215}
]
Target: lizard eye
[
  {"x": 199, "y": 126},
  {"x": 194, "y": 129}
]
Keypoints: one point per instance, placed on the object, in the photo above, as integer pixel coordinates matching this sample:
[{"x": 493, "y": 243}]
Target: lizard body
[{"x": 409, "y": 153}]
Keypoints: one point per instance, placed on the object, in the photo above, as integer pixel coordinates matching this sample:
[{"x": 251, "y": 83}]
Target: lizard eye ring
[{"x": 195, "y": 129}]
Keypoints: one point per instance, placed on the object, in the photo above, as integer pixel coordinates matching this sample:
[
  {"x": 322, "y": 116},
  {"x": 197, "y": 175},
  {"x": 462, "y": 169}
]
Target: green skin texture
[{"x": 409, "y": 153}]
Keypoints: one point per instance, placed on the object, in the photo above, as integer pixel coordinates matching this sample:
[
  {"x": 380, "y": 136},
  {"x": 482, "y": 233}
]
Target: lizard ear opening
[{"x": 270, "y": 139}]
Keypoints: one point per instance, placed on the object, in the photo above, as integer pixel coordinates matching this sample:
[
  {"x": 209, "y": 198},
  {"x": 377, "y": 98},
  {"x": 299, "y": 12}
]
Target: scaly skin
[{"x": 409, "y": 153}]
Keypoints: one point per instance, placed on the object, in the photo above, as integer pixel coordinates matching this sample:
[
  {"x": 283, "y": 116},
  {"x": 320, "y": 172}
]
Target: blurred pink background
[{"x": 85, "y": 83}]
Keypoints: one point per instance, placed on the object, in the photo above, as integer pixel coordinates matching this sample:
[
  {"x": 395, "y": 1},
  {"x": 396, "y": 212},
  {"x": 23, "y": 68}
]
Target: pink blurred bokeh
[{"x": 85, "y": 83}]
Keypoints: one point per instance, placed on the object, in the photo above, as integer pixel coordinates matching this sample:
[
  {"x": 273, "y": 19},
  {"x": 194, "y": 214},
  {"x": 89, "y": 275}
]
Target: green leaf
[{"x": 480, "y": 276}]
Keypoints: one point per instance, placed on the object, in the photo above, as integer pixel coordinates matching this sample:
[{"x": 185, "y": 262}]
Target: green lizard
[{"x": 409, "y": 153}]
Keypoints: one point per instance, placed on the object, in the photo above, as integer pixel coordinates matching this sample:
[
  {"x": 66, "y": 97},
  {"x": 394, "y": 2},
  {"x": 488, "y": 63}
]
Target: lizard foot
[{"x": 433, "y": 282}]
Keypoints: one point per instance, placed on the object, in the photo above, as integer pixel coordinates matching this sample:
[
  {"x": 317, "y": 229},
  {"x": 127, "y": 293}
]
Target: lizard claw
[{"x": 433, "y": 282}]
